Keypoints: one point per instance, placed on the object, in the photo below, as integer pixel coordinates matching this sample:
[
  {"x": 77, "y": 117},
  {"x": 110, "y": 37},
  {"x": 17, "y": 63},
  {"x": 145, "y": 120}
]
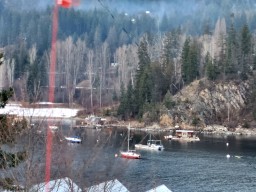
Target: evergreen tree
[
  {"x": 211, "y": 71},
  {"x": 246, "y": 51},
  {"x": 36, "y": 79},
  {"x": 130, "y": 100},
  {"x": 160, "y": 82},
  {"x": 144, "y": 59},
  {"x": 1, "y": 58},
  {"x": 143, "y": 86},
  {"x": 5, "y": 95},
  {"x": 185, "y": 59},
  {"x": 232, "y": 56},
  {"x": 122, "y": 106},
  {"x": 190, "y": 61},
  {"x": 9, "y": 128},
  {"x": 193, "y": 69},
  {"x": 21, "y": 60},
  {"x": 168, "y": 102}
]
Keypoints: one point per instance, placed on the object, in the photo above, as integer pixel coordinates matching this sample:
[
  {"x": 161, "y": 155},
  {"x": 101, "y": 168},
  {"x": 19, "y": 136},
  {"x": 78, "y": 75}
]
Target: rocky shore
[
  {"x": 156, "y": 127},
  {"x": 210, "y": 129}
]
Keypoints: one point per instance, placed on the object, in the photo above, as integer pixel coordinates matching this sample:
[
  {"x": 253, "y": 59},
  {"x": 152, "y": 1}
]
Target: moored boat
[
  {"x": 130, "y": 154},
  {"x": 152, "y": 144},
  {"x": 73, "y": 139},
  {"x": 53, "y": 127}
]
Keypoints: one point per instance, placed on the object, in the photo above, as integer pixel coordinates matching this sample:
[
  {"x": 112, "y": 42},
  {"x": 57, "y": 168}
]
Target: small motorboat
[
  {"x": 53, "y": 127},
  {"x": 73, "y": 139},
  {"x": 152, "y": 144}
]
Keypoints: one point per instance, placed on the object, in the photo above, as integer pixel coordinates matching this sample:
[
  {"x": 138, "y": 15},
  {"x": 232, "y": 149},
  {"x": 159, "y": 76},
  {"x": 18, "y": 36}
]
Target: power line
[{"x": 113, "y": 17}]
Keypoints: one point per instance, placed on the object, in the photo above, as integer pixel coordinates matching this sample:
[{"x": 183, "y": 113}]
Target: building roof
[
  {"x": 184, "y": 131},
  {"x": 160, "y": 188},
  {"x": 108, "y": 186},
  {"x": 85, "y": 84},
  {"x": 58, "y": 185}
]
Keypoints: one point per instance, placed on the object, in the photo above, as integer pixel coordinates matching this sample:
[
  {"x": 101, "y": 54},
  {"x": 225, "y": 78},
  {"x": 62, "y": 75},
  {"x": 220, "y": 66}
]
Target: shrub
[{"x": 254, "y": 114}]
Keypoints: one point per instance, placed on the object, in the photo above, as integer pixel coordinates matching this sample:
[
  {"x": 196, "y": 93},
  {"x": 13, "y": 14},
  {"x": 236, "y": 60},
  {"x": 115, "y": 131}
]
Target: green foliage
[
  {"x": 33, "y": 82},
  {"x": 1, "y": 58},
  {"x": 254, "y": 113},
  {"x": 126, "y": 107},
  {"x": 144, "y": 83},
  {"x": 160, "y": 82},
  {"x": 195, "y": 121},
  {"x": 7, "y": 183},
  {"x": 211, "y": 69},
  {"x": 21, "y": 60},
  {"x": 168, "y": 102},
  {"x": 107, "y": 112},
  {"x": 185, "y": 58},
  {"x": 5, "y": 95},
  {"x": 151, "y": 112},
  {"x": 10, "y": 128},
  {"x": 8, "y": 160},
  {"x": 190, "y": 61},
  {"x": 246, "y": 125},
  {"x": 144, "y": 59},
  {"x": 254, "y": 63},
  {"x": 114, "y": 96},
  {"x": 122, "y": 106},
  {"x": 246, "y": 43},
  {"x": 230, "y": 62}
]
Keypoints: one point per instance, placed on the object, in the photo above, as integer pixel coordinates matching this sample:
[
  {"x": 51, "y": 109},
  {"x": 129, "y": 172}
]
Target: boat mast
[{"x": 128, "y": 136}]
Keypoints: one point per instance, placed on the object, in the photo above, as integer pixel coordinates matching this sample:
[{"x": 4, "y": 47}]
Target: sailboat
[
  {"x": 130, "y": 154},
  {"x": 152, "y": 144}
]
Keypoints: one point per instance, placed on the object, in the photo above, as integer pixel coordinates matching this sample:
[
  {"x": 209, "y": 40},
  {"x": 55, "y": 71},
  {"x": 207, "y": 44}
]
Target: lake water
[{"x": 182, "y": 167}]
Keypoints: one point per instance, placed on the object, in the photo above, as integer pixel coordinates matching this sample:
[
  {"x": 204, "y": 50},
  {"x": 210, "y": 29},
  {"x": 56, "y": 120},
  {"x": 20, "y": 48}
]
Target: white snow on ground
[{"x": 38, "y": 112}]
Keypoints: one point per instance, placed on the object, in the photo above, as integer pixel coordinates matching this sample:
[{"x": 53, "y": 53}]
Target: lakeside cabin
[{"x": 186, "y": 135}]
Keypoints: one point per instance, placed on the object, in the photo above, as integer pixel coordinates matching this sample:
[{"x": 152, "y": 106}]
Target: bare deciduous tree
[{"x": 90, "y": 73}]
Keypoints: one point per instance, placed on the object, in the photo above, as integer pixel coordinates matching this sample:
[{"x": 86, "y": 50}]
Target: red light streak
[
  {"x": 65, "y": 4},
  {"x": 51, "y": 94}
]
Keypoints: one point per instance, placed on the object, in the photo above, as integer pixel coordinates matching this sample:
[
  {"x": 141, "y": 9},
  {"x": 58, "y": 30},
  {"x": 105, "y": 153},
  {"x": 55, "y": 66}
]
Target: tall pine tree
[{"x": 143, "y": 79}]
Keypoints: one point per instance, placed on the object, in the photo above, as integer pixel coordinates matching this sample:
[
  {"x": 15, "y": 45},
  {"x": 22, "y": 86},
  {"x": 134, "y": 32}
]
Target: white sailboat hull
[
  {"x": 73, "y": 139},
  {"x": 150, "y": 147}
]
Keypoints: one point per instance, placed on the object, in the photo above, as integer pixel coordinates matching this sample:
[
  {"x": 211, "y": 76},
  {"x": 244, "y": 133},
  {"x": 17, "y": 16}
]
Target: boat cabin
[{"x": 154, "y": 142}]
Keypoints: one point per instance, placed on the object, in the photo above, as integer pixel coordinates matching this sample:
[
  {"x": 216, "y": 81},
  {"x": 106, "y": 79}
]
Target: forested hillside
[{"x": 139, "y": 53}]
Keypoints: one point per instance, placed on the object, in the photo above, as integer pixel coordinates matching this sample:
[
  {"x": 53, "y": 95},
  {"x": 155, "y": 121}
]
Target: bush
[
  {"x": 168, "y": 102},
  {"x": 246, "y": 125},
  {"x": 254, "y": 114}
]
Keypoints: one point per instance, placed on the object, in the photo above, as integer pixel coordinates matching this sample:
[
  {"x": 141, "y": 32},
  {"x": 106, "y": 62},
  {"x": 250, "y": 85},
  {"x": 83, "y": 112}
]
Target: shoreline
[
  {"x": 208, "y": 130},
  {"x": 137, "y": 126}
]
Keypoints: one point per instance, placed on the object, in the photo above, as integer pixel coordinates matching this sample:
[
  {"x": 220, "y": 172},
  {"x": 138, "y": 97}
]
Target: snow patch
[{"x": 39, "y": 112}]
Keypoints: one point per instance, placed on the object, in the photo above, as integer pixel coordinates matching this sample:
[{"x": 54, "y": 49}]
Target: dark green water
[{"x": 196, "y": 166}]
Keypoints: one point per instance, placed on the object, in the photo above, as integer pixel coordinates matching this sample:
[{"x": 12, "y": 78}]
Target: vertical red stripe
[{"x": 51, "y": 94}]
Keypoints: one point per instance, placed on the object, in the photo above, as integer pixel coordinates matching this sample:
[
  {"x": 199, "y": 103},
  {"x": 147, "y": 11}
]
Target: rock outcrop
[{"x": 204, "y": 102}]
